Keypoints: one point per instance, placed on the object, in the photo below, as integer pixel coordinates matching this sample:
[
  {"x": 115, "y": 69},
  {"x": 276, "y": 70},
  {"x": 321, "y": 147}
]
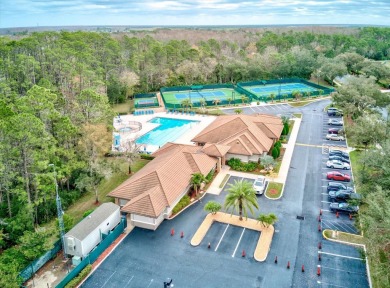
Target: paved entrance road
[{"x": 146, "y": 258}]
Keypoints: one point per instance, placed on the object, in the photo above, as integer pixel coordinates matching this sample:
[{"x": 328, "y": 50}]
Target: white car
[
  {"x": 259, "y": 185},
  {"x": 336, "y": 164},
  {"x": 334, "y": 137}
]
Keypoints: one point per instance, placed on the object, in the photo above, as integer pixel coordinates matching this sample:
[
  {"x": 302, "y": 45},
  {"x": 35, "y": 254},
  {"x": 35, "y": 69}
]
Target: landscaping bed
[{"x": 274, "y": 190}]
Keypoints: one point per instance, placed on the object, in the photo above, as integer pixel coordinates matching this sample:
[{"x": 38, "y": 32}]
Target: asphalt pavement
[{"x": 147, "y": 258}]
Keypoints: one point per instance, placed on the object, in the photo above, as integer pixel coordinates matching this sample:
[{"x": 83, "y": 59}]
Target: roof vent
[{"x": 300, "y": 217}]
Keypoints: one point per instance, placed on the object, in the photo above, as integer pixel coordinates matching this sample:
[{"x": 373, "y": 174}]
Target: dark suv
[
  {"x": 343, "y": 195},
  {"x": 334, "y": 112},
  {"x": 339, "y": 153},
  {"x": 336, "y": 186}
]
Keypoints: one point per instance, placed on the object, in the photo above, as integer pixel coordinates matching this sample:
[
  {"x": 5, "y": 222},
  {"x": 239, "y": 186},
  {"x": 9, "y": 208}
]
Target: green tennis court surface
[
  {"x": 145, "y": 102},
  {"x": 222, "y": 94},
  {"x": 276, "y": 89}
]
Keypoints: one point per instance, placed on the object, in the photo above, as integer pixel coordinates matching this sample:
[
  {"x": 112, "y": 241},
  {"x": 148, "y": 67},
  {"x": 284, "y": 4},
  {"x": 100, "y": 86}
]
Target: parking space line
[
  {"x": 220, "y": 240},
  {"x": 151, "y": 281},
  {"x": 325, "y": 194},
  {"x": 108, "y": 279},
  {"x": 347, "y": 227},
  {"x": 238, "y": 243},
  {"x": 325, "y": 201},
  {"x": 347, "y": 271},
  {"x": 339, "y": 255},
  {"x": 325, "y": 210},
  {"x": 327, "y": 283},
  {"x": 128, "y": 282},
  {"x": 329, "y": 225}
]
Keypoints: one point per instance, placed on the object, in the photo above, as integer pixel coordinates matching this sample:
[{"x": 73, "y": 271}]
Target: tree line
[{"x": 55, "y": 95}]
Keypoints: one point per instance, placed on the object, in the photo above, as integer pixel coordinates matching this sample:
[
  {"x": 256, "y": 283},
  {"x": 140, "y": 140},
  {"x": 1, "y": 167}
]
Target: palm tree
[
  {"x": 285, "y": 97},
  {"x": 196, "y": 181},
  {"x": 186, "y": 103},
  {"x": 320, "y": 92},
  {"x": 307, "y": 94},
  {"x": 238, "y": 111},
  {"x": 272, "y": 96},
  {"x": 216, "y": 101},
  {"x": 267, "y": 219},
  {"x": 244, "y": 99},
  {"x": 202, "y": 103},
  {"x": 296, "y": 94},
  {"x": 229, "y": 100},
  {"x": 241, "y": 197}
]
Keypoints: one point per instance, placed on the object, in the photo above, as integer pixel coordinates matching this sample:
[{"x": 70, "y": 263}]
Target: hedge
[
  {"x": 238, "y": 165},
  {"x": 147, "y": 157},
  {"x": 77, "y": 280},
  {"x": 182, "y": 203}
]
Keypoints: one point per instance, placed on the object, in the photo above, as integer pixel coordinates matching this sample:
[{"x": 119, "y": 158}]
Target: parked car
[
  {"x": 338, "y": 176},
  {"x": 338, "y": 152},
  {"x": 336, "y": 164},
  {"x": 343, "y": 195},
  {"x": 336, "y": 186},
  {"x": 334, "y": 137},
  {"x": 334, "y": 112},
  {"x": 335, "y": 122},
  {"x": 259, "y": 185},
  {"x": 335, "y": 130},
  {"x": 340, "y": 158},
  {"x": 343, "y": 207}
]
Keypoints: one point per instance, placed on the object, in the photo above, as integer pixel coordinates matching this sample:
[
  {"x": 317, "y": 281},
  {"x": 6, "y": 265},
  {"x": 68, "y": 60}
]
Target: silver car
[
  {"x": 335, "y": 137},
  {"x": 336, "y": 164},
  {"x": 259, "y": 185},
  {"x": 335, "y": 122}
]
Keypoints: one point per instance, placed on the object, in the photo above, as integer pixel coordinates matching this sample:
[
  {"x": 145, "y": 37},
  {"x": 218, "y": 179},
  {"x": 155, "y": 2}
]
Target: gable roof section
[
  {"x": 161, "y": 181},
  {"x": 216, "y": 150},
  {"x": 255, "y": 133}
]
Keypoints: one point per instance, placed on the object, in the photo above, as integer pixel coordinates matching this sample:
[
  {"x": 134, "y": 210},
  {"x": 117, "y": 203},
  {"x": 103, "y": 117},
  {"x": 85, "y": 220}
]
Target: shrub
[
  {"x": 182, "y": 203},
  {"x": 76, "y": 281},
  {"x": 86, "y": 213},
  {"x": 210, "y": 176},
  {"x": 212, "y": 207},
  {"x": 237, "y": 165},
  {"x": 278, "y": 144},
  {"x": 275, "y": 152},
  {"x": 146, "y": 157},
  {"x": 286, "y": 128}
]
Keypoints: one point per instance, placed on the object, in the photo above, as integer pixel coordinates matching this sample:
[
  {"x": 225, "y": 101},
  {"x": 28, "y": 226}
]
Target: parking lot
[{"x": 341, "y": 266}]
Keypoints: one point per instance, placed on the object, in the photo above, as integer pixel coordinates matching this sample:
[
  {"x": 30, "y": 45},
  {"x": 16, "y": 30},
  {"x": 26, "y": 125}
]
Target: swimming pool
[{"x": 168, "y": 131}]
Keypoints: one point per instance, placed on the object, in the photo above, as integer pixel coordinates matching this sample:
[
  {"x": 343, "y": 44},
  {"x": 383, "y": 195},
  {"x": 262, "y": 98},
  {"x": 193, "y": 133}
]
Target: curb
[
  {"x": 342, "y": 242},
  {"x": 185, "y": 208}
]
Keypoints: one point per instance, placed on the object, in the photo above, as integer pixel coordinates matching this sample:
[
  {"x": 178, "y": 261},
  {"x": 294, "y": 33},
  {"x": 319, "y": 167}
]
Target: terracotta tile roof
[
  {"x": 254, "y": 133},
  {"x": 162, "y": 181},
  {"x": 215, "y": 149}
]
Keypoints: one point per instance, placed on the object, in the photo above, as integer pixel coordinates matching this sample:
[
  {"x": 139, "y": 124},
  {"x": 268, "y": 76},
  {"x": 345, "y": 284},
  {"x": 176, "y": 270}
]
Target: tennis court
[
  {"x": 145, "y": 100},
  {"x": 224, "y": 95},
  {"x": 282, "y": 88}
]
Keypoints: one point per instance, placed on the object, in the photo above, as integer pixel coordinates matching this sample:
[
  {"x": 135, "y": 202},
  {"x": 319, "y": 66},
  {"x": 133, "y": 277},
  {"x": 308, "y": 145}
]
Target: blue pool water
[{"x": 168, "y": 131}]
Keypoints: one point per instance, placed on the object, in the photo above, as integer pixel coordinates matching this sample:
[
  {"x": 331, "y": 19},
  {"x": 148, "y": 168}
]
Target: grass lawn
[
  {"x": 274, "y": 190},
  {"x": 346, "y": 237},
  {"x": 123, "y": 108},
  {"x": 355, "y": 157},
  {"x": 298, "y": 115},
  {"x": 224, "y": 180},
  {"x": 302, "y": 103}
]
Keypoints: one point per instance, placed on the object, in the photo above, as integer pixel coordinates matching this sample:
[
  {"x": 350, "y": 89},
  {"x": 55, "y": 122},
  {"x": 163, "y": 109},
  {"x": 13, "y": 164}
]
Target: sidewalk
[{"x": 283, "y": 171}]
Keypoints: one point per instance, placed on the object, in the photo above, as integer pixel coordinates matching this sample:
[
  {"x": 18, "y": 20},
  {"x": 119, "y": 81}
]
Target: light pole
[{"x": 59, "y": 213}]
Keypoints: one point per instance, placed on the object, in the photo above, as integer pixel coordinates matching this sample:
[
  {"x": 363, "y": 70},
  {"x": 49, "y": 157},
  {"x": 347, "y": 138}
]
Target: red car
[{"x": 338, "y": 176}]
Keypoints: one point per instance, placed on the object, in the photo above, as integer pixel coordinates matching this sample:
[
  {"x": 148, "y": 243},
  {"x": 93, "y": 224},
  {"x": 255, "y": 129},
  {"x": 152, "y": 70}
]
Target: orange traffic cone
[
  {"x": 276, "y": 259},
  {"x": 319, "y": 245},
  {"x": 209, "y": 245},
  {"x": 181, "y": 234},
  {"x": 320, "y": 212},
  {"x": 319, "y": 228},
  {"x": 350, "y": 216},
  {"x": 303, "y": 268},
  {"x": 318, "y": 270},
  {"x": 243, "y": 253},
  {"x": 337, "y": 214},
  {"x": 319, "y": 256},
  {"x": 288, "y": 265},
  {"x": 172, "y": 232},
  {"x": 319, "y": 218}
]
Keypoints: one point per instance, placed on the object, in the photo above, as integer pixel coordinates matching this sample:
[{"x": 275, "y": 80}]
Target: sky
[{"x": 32, "y": 13}]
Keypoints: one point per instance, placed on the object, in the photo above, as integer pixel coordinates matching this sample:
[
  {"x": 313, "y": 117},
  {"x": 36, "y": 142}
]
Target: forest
[{"x": 57, "y": 91}]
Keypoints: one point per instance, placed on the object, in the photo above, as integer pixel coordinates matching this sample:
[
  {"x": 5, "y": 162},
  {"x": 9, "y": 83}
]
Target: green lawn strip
[
  {"x": 355, "y": 157},
  {"x": 123, "y": 108},
  {"x": 301, "y": 103},
  {"x": 298, "y": 115},
  {"x": 274, "y": 185},
  {"x": 345, "y": 237},
  {"x": 224, "y": 180}
]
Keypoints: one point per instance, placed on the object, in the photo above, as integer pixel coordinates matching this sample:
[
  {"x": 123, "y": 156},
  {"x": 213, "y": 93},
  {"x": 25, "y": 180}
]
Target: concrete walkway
[{"x": 283, "y": 171}]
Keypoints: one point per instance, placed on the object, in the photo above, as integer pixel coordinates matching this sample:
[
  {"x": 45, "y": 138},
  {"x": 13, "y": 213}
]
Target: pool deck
[{"x": 204, "y": 121}]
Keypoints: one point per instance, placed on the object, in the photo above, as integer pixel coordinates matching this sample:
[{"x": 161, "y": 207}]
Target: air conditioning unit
[{"x": 70, "y": 243}]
